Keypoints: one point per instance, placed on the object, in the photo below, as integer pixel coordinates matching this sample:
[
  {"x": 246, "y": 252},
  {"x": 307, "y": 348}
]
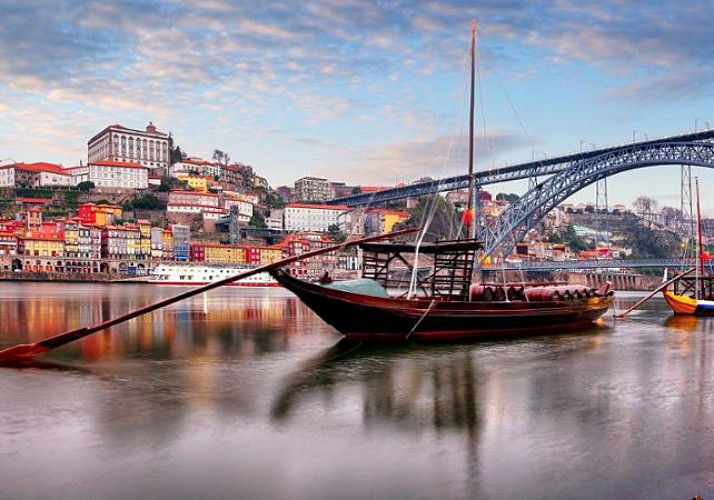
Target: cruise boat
[{"x": 194, "y": 275}]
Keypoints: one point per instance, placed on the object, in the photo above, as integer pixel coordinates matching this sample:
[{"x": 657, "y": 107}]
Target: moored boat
[
  {"x": 693, "y": 295},
  {"x": 443, "y": 303},
  {"x": 195, "y": 275}
]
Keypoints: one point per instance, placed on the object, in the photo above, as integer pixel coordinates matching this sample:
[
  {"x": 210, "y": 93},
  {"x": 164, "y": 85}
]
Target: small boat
[
  {"x": 443, "y": 303},
  {"x": 195, "y": 275},
  {"x": 693, "y": 295}
]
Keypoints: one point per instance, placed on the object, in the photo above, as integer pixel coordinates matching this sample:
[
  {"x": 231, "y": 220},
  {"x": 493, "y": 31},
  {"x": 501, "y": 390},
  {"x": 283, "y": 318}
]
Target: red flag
[{"x": 468, "y": 216}]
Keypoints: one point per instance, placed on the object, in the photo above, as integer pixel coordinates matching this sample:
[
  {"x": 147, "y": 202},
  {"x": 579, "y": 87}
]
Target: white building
[
  {"x": 313, "y": 189},
  {"x": 112, "y": 174},
  {"x": 35, "y": 175},
  {"x": 117, "y": 143},
  {"x": 197, "y": 166},
  {"x": 304, "y": 217}
]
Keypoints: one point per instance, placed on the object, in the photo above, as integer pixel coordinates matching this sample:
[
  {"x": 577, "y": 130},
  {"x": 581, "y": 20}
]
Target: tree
[
  {"x": 146, "y": 201},
  {"x": 221, "y": 157},
  {"x": 575, "y": 242},
  {"x": 335, "y": 233},
  {"x": 85, "y": 186},
  {"x": 645, "y": 206},
  {"x": 257, "y": 220}
]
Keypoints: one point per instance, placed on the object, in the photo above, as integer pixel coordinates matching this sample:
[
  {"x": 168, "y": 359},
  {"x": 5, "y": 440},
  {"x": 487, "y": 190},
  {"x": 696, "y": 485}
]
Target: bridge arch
[{"x": 513, "y": 224}]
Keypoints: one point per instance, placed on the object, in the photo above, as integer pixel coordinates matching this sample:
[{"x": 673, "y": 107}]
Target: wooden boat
[
  {"x": 693, "y": 295},
  {"x": 443, "y": 304}
]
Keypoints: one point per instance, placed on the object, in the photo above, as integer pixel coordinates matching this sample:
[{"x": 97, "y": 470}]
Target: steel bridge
[
  {"x": 592, "y": 265},
  {"x": 561, "y": 177}
]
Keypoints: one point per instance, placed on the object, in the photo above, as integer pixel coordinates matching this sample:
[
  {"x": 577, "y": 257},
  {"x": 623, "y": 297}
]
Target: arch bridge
[{"x": 564, "y": 176}]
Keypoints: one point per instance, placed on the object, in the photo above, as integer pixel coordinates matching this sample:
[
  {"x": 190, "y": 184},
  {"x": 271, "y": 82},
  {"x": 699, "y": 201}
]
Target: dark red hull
[{"x": 363, "y": 317}]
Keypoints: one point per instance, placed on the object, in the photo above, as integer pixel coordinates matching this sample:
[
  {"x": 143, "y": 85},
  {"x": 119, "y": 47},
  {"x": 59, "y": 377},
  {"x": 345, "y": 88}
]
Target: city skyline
[{"x": 370, "y": 93}]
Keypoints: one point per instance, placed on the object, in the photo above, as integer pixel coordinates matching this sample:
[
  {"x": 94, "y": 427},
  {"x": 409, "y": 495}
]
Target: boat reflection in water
[
  {"x": 223, "y": 321},
  {"x": 410, "y": 387}
]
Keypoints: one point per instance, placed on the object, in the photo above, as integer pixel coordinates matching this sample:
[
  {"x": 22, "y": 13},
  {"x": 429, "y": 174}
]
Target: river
[{"x": 246, "y": 394}]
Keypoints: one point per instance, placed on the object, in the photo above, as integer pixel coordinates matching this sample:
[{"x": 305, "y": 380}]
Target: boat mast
[
  {"x": 700, "y": 253},
  {"x": 471, "y": 227}
]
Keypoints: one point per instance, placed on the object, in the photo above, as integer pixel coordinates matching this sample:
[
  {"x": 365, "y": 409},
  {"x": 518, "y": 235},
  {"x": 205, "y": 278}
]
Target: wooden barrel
[
  {"x": 478, "y": 292},
  {"x": 541, "y": 294}
]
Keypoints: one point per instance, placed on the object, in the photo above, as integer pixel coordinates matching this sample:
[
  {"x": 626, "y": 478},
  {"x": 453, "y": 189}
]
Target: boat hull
[
  {"x": 688, "y": 306},
  {"x": 363, "y": 317}
]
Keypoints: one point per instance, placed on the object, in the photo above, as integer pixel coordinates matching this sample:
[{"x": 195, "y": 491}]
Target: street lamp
[
  {"x": 594, "y": 146},
  {"x": 697, "y": 120}
]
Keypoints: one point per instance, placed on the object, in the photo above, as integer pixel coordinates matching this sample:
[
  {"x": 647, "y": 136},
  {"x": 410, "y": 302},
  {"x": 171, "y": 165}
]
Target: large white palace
[{"x": 117, "y": 143}]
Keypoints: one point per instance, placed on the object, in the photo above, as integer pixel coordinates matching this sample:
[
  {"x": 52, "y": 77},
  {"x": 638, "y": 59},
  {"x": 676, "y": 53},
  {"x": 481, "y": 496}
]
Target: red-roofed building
[
  {"x": 150, "y": 148},
  {"x": 35, "y": 175}
]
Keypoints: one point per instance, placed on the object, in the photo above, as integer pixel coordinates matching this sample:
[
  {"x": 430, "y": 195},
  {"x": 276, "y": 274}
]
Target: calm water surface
[{"x": 247, "y": 394}]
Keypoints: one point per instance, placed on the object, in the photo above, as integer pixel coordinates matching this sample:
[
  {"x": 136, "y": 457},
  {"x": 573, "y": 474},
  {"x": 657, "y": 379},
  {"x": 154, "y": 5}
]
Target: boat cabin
[{"x": 444, "y": 268}]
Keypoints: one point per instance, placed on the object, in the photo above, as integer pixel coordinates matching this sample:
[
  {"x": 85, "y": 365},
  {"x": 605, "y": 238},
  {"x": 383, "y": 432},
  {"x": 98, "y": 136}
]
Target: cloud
[{"x": 435, "y": 157}]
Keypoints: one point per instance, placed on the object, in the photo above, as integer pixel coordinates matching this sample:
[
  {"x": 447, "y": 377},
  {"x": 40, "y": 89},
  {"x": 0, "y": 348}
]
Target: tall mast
[
  {"x": 471, "y": 229},
  {"x": 700, "y": 253}
]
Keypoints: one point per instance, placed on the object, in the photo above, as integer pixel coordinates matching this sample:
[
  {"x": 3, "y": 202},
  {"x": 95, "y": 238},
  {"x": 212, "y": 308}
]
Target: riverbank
[{"x": 72, "y": 277}]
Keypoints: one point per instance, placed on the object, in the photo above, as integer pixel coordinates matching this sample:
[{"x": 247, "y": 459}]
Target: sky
[{"x": 367, "y": 92}]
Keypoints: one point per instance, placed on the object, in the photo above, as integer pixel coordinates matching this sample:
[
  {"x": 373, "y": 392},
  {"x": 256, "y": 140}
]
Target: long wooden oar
[
  {"x": 642, "y": 301},
  {"x": 26, "y": 351}
]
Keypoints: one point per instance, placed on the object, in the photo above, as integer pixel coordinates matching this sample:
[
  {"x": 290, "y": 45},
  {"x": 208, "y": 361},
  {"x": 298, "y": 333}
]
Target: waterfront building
[
  {"x": 122, "y": 243},
  {"x": 44, "y": 246},
  {"x": 299, "y": 243},
  {"x": 8, "y": 249},
  {"x": 217, "y": 253},
  {"x": 112, "y": 174},
  {"x": 181, "y": 236},
  {"x": 305, "y": 217},
  {"x": 167, "y": 246},
  {"x": 313, "y": 189},
  {"x": 262, "y": 255},
  {"x": 116, "y": 143}
]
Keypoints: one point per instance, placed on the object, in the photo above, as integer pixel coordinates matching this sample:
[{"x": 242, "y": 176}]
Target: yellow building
[
  {"x": 392, "y": 217},
  {"x": 167, "y": 245},
  {"x": 215, "y": 253},
  {"x": 196, "y": 182}
]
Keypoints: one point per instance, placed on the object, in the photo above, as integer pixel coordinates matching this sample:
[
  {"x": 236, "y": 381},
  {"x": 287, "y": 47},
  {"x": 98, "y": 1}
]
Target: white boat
[{"x": 194, "y": 275}]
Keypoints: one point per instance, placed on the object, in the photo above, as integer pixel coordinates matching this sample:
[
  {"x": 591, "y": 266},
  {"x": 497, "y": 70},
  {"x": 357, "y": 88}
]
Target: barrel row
[{"x": 490, "y": 293}]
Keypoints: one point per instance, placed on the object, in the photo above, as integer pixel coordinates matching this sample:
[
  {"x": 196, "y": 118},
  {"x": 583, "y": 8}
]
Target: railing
[{"x": 549, "y": 265}]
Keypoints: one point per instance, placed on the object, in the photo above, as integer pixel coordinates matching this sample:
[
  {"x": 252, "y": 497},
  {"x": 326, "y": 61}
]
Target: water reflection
[
  {"x": 235, "y": 395},
  {"x": 405, "y": 386},
  {"x": 217, "y": 323}
]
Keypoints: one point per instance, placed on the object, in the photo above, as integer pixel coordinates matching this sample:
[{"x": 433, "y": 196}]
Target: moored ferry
[{"x": 194, "y": 275}]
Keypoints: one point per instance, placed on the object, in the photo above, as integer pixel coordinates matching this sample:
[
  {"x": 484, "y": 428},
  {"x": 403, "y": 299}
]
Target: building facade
[
  {"x": 304, "y": 217},
  {"x": 313, "y": 189},
  {"x": 117, "y": 143},
  {"x": 112, "y": 174}
]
